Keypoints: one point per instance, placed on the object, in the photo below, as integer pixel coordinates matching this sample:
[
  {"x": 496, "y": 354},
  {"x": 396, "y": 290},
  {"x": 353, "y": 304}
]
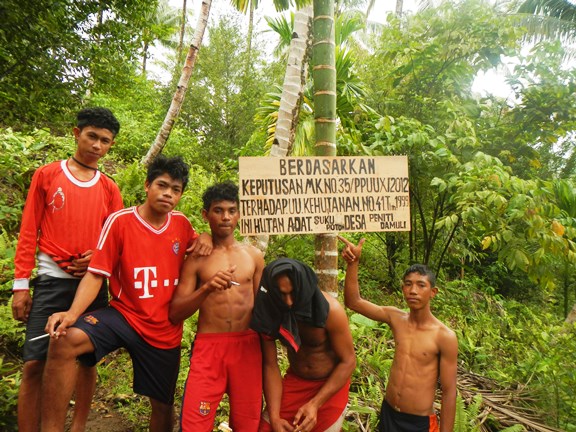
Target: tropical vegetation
[{"x": 492, "y": 178}]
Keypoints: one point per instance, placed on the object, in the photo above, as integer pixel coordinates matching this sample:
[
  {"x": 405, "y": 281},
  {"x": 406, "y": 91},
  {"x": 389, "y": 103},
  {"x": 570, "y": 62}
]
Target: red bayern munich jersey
[
  {"x": 63, "y": 215},
  {"x": 143, "y": 265}
]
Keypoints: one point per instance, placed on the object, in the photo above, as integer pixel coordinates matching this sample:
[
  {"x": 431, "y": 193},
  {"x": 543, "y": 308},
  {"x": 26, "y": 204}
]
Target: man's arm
[
  {"x": 352, "y": 298},
  {"x": 272, "y": 382},
  {"x": 25, "y": 258},
  {"x": 85, "y": 294},
  {"x": 259, "y": 262},
  {"x": 448, "y": 371},
  {"x": 341, "y": 341},
  {"x": 188, "y": 297}
]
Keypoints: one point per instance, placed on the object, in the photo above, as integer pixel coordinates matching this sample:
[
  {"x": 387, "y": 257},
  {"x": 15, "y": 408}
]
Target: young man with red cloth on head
[
  {"x": 313, "y": 326},
  {"x": 141, "y": 250},
  {"x": 65, "y": 209}
]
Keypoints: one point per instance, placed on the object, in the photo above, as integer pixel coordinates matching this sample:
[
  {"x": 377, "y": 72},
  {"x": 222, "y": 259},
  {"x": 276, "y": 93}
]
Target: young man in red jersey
[
  {"x": 65, "y": 210},
  {"x": 426, "y": 350},
  {"x": 141, "y": 250},
  {"x": 226, "y": 356}
]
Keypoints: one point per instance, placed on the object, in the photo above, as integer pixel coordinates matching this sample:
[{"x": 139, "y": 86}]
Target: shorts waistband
[
  {"x": 223, "y": 335},
  {"x": 407, "y": 416}
]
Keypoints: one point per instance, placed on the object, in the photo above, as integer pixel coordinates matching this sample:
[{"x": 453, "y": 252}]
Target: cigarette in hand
[
  {"x": 39, "y": 337},
  {"x": 234, "y": 283}
]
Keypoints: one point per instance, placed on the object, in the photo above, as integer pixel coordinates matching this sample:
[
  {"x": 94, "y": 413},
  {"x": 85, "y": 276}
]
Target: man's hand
[
  {"x": 351, "y": 252},
  {"x": 202, "y": 246},
  {"x": 281, "y": 425},
  {"x": 59, "y": 322},
  {"x": 306, "y": 418},
  {"x": 80, "y": 265},
  {"x": 21, "y": 305},
  {"x": 222, "y": 280}
]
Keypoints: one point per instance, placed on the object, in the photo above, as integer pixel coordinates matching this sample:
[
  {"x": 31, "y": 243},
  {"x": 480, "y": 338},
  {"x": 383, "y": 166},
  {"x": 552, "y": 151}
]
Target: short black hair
[
  {"x": 175, "y": 167},
  {"x": 225, "y": 191},
  {"x": 422, "y": 270},
  {"x": 98, "y": 117}
]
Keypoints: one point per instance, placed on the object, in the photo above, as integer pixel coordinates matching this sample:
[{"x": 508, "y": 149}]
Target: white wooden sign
[{"x": 323, "y": 194}]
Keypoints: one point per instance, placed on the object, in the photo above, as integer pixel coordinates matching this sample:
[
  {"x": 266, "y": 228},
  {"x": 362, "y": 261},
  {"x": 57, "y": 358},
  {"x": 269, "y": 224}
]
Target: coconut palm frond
[
  {"x": 561, "y": 9},
  {"x": 346, "y": 24},
  {"x": 539, "y": 27},
  {"x": 283, "y": 28}
]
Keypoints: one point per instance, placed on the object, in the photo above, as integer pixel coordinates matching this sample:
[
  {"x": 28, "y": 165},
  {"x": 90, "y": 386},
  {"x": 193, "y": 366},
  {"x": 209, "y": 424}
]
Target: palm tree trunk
[
  {"x": 324, "y": 72},
  {"x": 178, "y": 98},
  {"x": 292, "y": 90},
  {"x": 182, "y": 32},
  {"x": 294, "y": 81}
]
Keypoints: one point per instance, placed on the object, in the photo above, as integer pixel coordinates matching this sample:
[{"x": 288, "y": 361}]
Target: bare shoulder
[
  {"x": 336, "y": 310},
  {"x": 332, "y": 301},
  {"x": 446, "y": 336},
  {"x": 253, "y": 251},
  {"x": 246, "y": 247}
]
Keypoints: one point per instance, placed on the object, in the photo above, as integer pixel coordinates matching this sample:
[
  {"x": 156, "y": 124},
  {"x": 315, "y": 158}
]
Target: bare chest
[{"x": 420, "y": 346}]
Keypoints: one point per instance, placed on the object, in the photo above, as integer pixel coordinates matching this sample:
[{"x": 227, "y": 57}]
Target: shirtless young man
[
  {"x": 425, "y": 350},
  {"x": 140, "y": 250},
  {"x": 226, "y": 355},
  {"x": 313, "y": 326}
]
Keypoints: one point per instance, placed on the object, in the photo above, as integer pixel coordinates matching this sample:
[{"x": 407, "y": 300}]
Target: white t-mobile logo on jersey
[{"x": 148, "y": 282}]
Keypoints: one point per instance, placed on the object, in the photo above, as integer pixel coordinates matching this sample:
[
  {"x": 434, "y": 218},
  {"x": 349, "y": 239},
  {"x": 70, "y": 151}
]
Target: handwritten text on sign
[{"x": 323, "y": 194}]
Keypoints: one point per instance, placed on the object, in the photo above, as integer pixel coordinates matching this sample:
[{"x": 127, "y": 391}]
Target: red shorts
[
  {"x": 224, "y": 363},
  {"x": 297, "y": 391}
]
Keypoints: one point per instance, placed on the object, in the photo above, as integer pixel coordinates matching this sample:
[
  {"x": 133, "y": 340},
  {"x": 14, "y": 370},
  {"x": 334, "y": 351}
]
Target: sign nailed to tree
[{"x": 323, "y": 194}]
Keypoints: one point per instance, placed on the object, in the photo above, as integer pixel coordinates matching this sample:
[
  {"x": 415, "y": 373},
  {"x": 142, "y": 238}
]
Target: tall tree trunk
[
  {"x": 252, "y": 6},
  {"x": 399, "y": 7},
  {"x": 182, "y": 33},
  {"x": 324, "y": 72},
  {"x": 178, "y": 98},
  {"x": 292, "y": 90},
  {"x": 571, "y": 318},
  {"x": 144, "y": 58}
]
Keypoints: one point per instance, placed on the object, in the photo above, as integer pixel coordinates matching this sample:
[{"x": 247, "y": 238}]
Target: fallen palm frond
[{"x": 508, "y": 407}]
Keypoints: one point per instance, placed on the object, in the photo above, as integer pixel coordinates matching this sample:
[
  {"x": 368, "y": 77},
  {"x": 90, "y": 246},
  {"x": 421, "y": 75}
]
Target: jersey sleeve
[
  {"x": 25, "y": 258},
  {"x": 116, "y": 198},
  {"x": 108, "y": 249}
]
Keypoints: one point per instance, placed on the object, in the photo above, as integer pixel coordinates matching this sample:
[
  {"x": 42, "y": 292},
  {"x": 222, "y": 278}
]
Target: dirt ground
[{"x": 104, "y": 418}]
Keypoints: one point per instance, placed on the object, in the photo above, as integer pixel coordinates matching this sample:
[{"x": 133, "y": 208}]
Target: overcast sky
[{"x": 489, "y": 82}]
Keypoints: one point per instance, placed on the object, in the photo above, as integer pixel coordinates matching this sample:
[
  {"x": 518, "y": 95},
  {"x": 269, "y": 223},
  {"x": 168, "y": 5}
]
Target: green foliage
[
  {"x": 222, "y": 99},
  {"x": 492, "y": 189},
  {"x": 9, "y": 384},
  {"x": 53, "y": 53},
  {"x": 11, "y": 338},
  {"x": 20, "y": 155},
  {"x": 467, "y": 417},
  {"x": 7, "y": 252},
  {"x": 140, "y": 115},
  {"x": 493, "y": 336}
]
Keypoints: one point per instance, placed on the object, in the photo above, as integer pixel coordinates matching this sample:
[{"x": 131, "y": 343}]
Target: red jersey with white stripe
[
  {"x": 63, "y": 216},
  {"x": 143, "y": 265}
]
